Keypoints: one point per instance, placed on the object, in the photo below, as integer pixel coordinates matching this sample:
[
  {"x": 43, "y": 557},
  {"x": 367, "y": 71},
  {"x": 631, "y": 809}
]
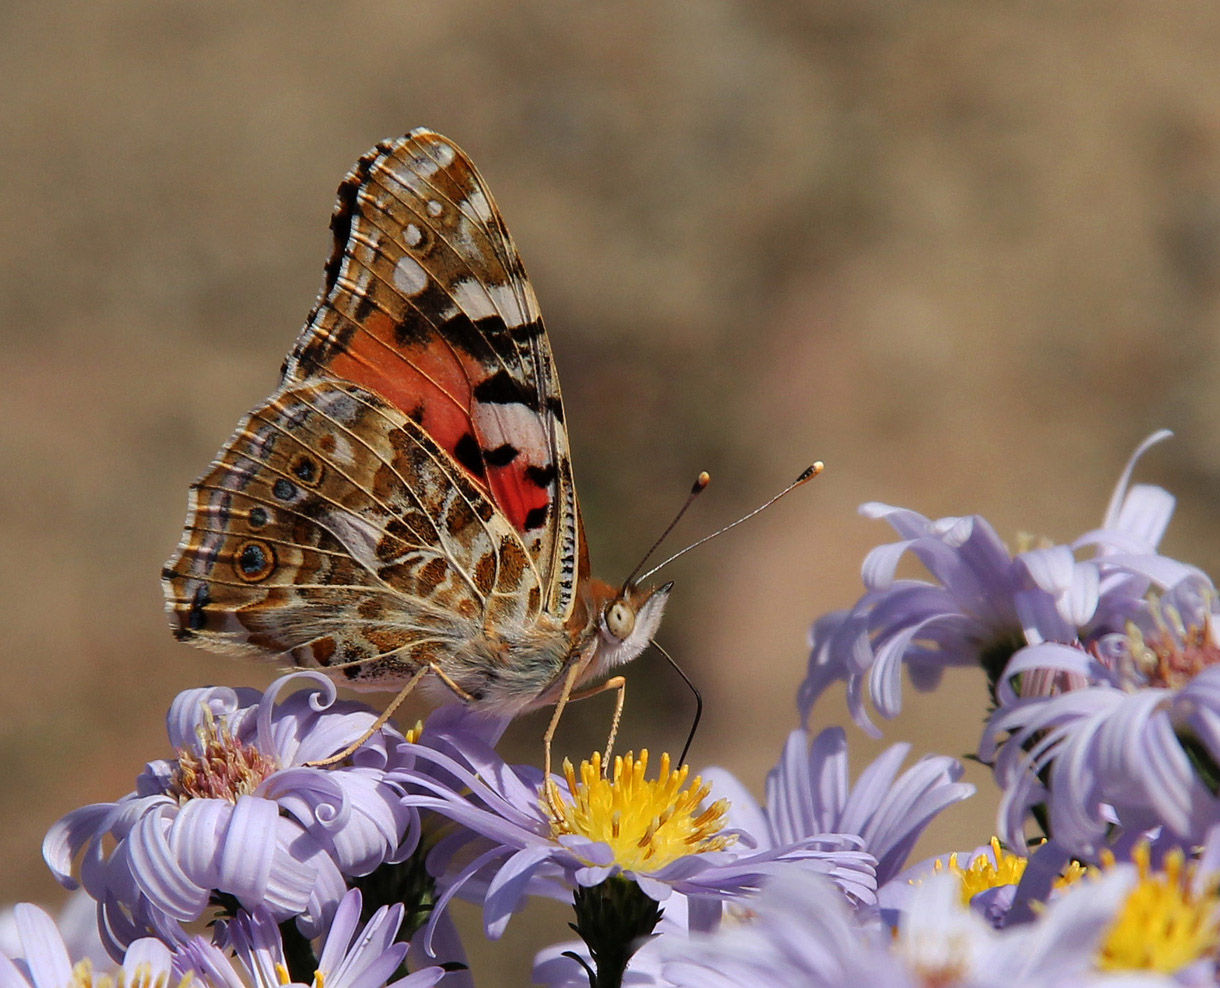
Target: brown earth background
[{"x": 967, "y": 253}]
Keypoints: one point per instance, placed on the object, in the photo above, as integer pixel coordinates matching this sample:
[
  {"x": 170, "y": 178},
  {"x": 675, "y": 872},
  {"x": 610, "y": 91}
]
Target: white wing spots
[
  {"x": 441, "y": 157},
  {"x": 479, "y": 299},
  {"x": 342, "y": 454},
  {"x": 409, "y": 276},
  {"x": 479, "y": 204},
  {"x": 434, "y": 208},
  {"x": 336, "y": 404},
  {"x": 364, "y": 278},
  {"x": 427, "y": 164},
  {"x": 358, "y": 535},
  {"x": 473, "y": 298},
  {"x": 517, "y": 425},
  {"x": 423, "y": 165},
  {"x": 412, "y": 235},
  {"x": 508, "y": 304}
]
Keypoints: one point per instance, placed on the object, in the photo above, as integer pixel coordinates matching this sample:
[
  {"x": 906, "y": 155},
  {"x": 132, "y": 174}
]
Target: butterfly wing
[
  {"x": 405, "y": 497},
  {"x": 333, "y": 529},
  {"x": 426, "y": 303}
]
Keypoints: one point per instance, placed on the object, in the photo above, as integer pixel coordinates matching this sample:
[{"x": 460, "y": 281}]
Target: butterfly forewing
[{"x": 426, "y": 303}]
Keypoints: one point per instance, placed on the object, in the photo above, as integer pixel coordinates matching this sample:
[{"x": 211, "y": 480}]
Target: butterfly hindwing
[
  {"x": 332, "y": 528},
  {"x": 426, "y": 303}
]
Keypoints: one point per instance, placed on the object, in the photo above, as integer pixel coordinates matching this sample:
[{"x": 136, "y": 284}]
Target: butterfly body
[{"x": 403, "y": 503}]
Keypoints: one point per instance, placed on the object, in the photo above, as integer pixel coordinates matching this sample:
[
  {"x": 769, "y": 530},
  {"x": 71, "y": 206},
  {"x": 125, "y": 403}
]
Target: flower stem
[{"x": 613, "y": 918}]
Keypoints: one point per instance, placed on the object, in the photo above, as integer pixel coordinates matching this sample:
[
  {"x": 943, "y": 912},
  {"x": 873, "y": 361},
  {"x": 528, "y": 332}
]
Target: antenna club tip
[
  {"x": 701, "y": 482},
  {"x": 811, "y": 471}
]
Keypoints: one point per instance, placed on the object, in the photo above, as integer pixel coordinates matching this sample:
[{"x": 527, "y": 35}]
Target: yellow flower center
[
  {"x": 222, "y": 768},
  {"x": 1165, "y": 924},
  {"x": 647, "y": 824},
  {"x": 142, "y": 977},
  {"x": 983, "y": 873}
]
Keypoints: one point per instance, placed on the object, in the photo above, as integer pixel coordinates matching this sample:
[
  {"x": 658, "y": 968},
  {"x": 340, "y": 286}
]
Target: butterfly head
[{"x": 626, "y": 624}]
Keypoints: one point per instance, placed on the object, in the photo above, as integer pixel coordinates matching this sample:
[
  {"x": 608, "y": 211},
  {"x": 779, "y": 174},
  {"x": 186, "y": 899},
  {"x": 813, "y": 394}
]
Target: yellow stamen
[
  {"x": 647, "y": 824},
  {"x": 983, "y": 873},
  {"x": 83, "y": 976},
  {"x": 1165, "y": 924}
]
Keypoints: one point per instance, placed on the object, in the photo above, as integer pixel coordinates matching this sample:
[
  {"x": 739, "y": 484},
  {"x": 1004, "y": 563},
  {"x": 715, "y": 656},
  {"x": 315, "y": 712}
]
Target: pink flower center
[
  {"x": 1173, "y": 653},
  {"x": 220, "y": 767}
]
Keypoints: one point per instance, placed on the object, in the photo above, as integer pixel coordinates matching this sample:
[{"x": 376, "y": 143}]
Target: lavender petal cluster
[{"x": 240, "y": 816}]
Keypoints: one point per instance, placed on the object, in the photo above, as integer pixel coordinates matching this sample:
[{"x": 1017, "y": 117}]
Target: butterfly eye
[{"x": 620, "y": 619}]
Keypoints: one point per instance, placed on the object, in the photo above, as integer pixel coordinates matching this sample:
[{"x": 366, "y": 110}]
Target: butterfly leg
[
  {"x": 457, "y": 691},
  {"x": 552, "y": 791},
  {"x": 378, "y": 724},
  {"x": 619, "y": 684}
]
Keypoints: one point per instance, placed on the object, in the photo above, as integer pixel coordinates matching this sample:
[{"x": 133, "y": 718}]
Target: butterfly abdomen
[{"x": 507, "y": 675}]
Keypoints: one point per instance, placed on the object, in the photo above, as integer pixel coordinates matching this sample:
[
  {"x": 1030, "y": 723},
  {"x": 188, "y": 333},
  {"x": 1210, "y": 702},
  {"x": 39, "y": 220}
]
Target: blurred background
[{"x": 966, "y": 253}]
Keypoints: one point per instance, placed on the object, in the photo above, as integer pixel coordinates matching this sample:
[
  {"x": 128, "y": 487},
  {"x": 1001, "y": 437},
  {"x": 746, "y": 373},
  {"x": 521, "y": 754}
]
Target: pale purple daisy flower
[
  {"x": 352, "y": 956},
  {"x": 809, "y": 792},
  {"x": 238, "y": 817},
  {"x": 510, "y": 843},
  {"x": 1135, "y": 750},
  {"x": 367, "y": 958},
  {"x": 76, "y": 923},
  {"x": 802, "y": 935},
  {"x": 986, "y": 602},
  {"x": 40, "y": 959}
]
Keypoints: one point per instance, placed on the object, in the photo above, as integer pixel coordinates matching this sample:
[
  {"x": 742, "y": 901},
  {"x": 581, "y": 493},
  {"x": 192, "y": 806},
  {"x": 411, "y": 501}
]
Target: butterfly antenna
[
  {"x": 698, "y": 702},
  {"x": 807, "y": 475},
  {"x": 697, "y": 488}
]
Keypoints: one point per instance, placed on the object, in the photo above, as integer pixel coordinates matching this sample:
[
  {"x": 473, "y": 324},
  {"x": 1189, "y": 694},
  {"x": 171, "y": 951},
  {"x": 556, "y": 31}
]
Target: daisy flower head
[
  {"x": 984, "y": 602},
  {"x": 992, "y": 880},
  {"x": 40, "y": 958},
  {"x": 1169, "y": 921},
  {"x": 661, "y": 835},
  {"x": 239, "y": 817},
  {"x": 1138, "y": 746},
  {"x": 352, "y": 955},
  {"x": 76, "y": 924},
  {"x": 801, "y": 933}
]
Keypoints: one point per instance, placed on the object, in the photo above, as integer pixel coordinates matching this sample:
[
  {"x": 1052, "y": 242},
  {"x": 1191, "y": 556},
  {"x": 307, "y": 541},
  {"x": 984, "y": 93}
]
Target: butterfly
[{"x": 401, "y": 509}]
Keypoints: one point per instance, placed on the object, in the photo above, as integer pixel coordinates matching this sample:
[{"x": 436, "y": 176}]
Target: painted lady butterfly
[{"x": 401, "y": 509}]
